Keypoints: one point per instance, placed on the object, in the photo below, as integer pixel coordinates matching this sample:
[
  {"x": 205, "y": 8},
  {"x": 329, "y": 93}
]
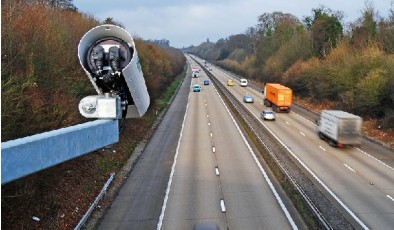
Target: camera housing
[{"x": 109, "y": 58}]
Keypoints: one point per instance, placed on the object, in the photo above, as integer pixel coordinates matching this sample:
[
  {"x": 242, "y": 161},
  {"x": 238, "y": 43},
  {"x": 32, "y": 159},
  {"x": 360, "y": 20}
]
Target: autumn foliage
[
  {"x": 319, "y": 59},
  {"x": 42, "y": 83}
]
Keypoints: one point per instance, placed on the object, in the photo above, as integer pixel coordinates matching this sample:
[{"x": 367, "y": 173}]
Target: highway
[
  {"x": 360, "y": 180},
  {"x": 198, "y": 169},
  {"x": 216, "y": 179}
]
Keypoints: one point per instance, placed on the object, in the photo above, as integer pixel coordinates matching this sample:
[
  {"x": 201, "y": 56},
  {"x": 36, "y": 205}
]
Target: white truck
[{"x": 339, "y": 128}]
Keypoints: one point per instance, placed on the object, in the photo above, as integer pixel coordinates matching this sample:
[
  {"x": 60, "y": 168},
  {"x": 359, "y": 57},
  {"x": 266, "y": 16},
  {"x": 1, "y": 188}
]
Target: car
[
  {"x": 243, "y": 82},
  {"x": 196, "y": 88},
  {"x": 206, "y": 82},
  {"x": 248, "y": 99},
  {"x": 230, "y": 82},
  {"x": 268, "y": 114}
]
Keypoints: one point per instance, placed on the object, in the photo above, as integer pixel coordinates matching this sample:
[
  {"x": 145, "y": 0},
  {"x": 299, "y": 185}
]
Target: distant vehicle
[
  {"x": 230, "y": 82},
  {"x": 206, "y": 82},
  {"x": 278, "y": 96},
  {"x": 339, "y": 128},
  {"x": 248, "y": 99},
  {"x": 195, "y": 72},
  {"x": 196, "y": 88},
  {"x": 268, "y": 114},
  {"x": 243, "y": 82}
]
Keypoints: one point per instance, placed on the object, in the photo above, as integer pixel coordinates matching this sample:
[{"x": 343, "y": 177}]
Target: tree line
[{"x": 319, "y": 57}]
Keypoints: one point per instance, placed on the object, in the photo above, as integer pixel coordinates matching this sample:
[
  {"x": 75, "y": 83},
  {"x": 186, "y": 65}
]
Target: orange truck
[{"x": 278, "y": 96}]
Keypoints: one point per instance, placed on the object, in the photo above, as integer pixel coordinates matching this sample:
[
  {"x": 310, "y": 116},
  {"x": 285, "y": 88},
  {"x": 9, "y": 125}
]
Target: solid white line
[
  {"x": 309, "y": 170},
  {"x": 222, "y": 206},
  {"x": 314, "y": 175},
  {"x": 163, "y": 208},
  {"x": 392, "y": 199},
  {"x": 347, "y": 166},
  {"x": 277, "y": 197},
  {"x": 302, "y": 134},
  {"x": 303, "y": 118},
  {"x": 381, "y": 162},
  {"x": 322, "y": 148}
]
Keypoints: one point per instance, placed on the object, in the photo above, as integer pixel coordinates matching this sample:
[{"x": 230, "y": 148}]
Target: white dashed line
[
  {"x": 213, "y": 149},
  {"x": 288, "y": 123},
  {"x": 376, "y": 159},
  {"x": 391, "y": 198},
  {"x": 222, "y": 206},
  {"x": 322, "y": 148},
  {"x": 347, "y": 166},
  {"x": 217, "y": 171},
  {"x": 303, "y": 134}
]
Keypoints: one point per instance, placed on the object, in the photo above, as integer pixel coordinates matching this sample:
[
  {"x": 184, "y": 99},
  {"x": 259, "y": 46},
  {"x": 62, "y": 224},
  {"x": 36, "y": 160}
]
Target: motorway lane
[
  {"x": 363, "y": 183},
  {"x": 139, "y": 201},
  {"x": 196, "y": 190},
  {"x": 194, "y": 196}
]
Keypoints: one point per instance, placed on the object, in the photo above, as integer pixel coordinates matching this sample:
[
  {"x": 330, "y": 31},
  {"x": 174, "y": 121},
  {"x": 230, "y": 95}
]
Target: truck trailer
[
  {"x": 339, "y": 128},
  {"x": 278, "y": 96}
]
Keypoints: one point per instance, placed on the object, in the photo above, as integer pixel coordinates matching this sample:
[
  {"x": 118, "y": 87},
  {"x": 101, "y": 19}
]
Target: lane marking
[
  {"x": 209, "y": 123},
  {"x": 288, "y": 123},
  {"x": 163, "y": 208},
  {"x": 303, "y": 134},
  {"x": 347, "y": 166},
  {"x": 309, "y": 170},
  {"x": 322, "y": 148},
  {"x": 392, "y": 199},
  {"x": 381, "y": 162},
  {"x": 267, "y": 179},
  {"x": 211, "y": 134},
  {"x": 217, "y": 171},
  {"x": 213, "y": 149},
  {"x": 222, "y": 206}
]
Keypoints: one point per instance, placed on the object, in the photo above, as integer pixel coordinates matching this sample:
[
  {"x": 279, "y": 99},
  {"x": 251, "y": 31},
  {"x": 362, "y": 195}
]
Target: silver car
[
  {"x": 248, "y": 99},
  {"x": 268, "y": 114}
]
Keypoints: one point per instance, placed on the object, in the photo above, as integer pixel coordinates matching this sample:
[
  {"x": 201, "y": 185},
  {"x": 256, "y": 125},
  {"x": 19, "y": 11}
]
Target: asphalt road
[
  {"x": 139, "y": 202},
  {"x": 197, "y": 169},
  {"x": 216, "y": 180},
  {"x": 360, "y": 180}
]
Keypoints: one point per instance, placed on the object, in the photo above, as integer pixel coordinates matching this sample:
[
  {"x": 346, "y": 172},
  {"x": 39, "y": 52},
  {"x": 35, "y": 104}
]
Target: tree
[
  {"x": 364, "y": 31},
  {"x": 326, "y": 30},
  {"x": 386, "y": 32},
  {"x": 112, "y": 22},
  {"x": 272, "y": 31}
]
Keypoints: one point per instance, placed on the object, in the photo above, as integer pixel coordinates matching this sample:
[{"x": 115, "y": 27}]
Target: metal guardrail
[
  {"x": 94, "y": 204},
  {"x": 31, "y": 154}
]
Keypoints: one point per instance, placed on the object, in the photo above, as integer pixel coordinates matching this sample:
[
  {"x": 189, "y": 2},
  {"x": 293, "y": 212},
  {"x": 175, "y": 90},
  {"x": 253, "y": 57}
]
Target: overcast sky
[{"x": 191, "y": 22}]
